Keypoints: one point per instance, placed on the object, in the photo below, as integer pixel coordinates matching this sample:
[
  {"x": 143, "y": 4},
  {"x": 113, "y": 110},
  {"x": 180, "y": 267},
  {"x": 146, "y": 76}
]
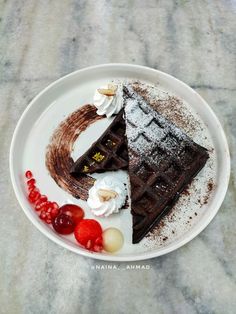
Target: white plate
[{"x": 62, "y": 97}]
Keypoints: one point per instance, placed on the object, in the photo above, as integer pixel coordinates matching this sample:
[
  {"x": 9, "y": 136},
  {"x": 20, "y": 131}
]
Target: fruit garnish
[
  {"x": 63, "y": 224},
  {"x": 43, "y": 198},
  {"x": 34, "y": 195},
  {"x": 106, "y": 195},
  {"x": 99, "y": 241},
  {"x": 89, "y": 245},
  {"x": 51, "y": 208},
  {"x": 43, "y": 215},
  {"x": 87, "y": 231},
  {"x": 39, "y": 205},
  {"x": 28, "y": 174},
  {"x": 97, "y": 248},
  {"x": 54, "y": 209},
  {"x": 31, "y": 182},
  {"x": 112, "y": 240},
  {"x": 74, "y": 211},
  {"x": 68, "y": 218},
  {"x": 47, "y": 210}
]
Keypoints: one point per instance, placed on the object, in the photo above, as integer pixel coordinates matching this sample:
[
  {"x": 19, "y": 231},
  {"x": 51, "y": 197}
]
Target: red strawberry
[
  {"x": 99, "y": 241},
  {"x": 87, "y": 230},
  {"x": 97, "y": 248}
]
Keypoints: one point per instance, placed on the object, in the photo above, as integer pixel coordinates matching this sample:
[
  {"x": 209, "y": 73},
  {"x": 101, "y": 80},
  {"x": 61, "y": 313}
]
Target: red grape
[
  {"x": 63, "y": 224},
  {"x": 75, "y": 212}
]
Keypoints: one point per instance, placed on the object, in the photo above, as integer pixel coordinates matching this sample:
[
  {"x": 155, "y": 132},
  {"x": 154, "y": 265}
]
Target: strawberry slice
[{"x": 87, "y": 231}]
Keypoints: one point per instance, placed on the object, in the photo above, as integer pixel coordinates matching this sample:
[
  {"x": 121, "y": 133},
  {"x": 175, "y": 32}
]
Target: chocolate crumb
[
  {"x": 186, "y": 190},
  {"x": 210, "y": 186},
  {"x": 205, "y": 199},
  {"x": 126, "y": 205}
]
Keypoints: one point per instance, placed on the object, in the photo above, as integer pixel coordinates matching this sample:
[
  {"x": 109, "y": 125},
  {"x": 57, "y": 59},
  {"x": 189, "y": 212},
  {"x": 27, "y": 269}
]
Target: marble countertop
[{"x": 41, "y": 41}]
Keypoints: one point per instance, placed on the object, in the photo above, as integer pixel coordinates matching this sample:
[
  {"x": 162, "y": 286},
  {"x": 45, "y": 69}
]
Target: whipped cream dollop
[
  {"x": 107, "y": 196},
  {"x": 108, "y": 99}
]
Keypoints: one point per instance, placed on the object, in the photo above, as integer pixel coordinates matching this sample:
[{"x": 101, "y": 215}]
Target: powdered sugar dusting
[
  {"x": 146, "y": 129},
  {"x": 191, "y": 205},
  {"x": 170, "y": 106}
]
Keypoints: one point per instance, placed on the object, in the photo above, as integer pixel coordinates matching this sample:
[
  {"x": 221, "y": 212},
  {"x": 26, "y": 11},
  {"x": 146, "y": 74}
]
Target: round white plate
[{"x": 61, "y": 98}]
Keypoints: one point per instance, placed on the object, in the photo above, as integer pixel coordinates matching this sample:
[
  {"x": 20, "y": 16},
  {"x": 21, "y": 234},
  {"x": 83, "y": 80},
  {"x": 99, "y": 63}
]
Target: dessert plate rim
[{"x": 136, "y": 256}]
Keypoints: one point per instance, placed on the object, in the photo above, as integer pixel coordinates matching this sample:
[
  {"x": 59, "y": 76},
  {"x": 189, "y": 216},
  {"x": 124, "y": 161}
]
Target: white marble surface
[{"x": 41, "y": 41}]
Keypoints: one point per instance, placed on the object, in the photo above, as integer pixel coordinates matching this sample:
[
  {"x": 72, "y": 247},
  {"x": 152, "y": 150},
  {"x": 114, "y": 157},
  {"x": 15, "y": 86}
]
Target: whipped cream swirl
[
  {"x": 108, "y": 104},
  {"x": 107, "y": 196}
]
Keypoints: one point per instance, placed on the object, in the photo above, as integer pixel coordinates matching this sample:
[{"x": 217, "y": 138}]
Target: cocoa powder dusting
[
  {"x": 205, "y": 198},
  {"x": 58, "y": 153},
  {"x": 169, "y": 106},
  {"x": 210, "y": 186}
]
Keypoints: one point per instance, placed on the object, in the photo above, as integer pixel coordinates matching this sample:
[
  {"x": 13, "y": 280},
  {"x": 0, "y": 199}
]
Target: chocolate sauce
[{"x": 58, "y": 153}]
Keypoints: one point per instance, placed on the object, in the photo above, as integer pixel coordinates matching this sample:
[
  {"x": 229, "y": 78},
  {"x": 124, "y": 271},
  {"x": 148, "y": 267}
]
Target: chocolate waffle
[
  {"x": 162, "y": 162},
  {"x": 109, "y": 152}
]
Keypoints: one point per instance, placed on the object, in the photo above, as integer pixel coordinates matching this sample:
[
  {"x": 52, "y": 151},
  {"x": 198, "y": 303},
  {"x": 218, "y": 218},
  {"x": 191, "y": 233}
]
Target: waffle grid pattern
[
  {"x": 166, "y": 161},
  {"x": 109, "y": 152}
]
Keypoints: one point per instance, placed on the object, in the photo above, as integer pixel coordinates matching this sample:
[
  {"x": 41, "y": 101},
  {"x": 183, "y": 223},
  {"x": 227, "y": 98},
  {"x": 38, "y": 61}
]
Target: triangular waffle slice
[
  {"x": 162, "y": 162},
  {"x": 109, "y": 152}
]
